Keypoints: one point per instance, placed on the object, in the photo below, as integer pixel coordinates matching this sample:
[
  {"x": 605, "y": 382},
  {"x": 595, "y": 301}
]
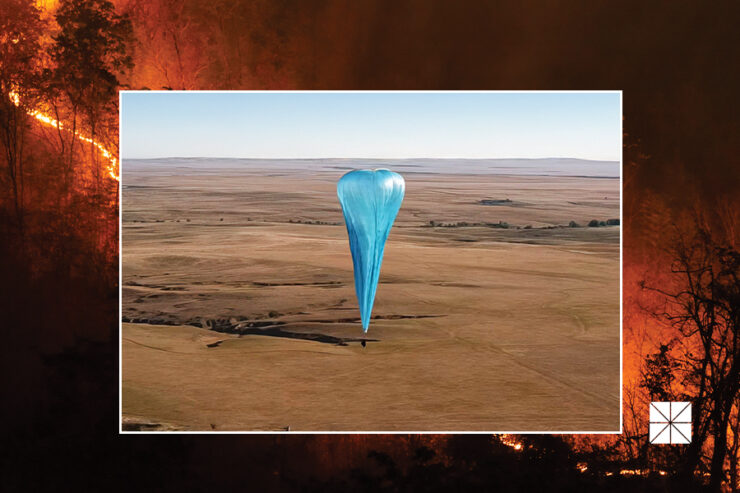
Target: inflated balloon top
[{"x": 370, "y": 202}]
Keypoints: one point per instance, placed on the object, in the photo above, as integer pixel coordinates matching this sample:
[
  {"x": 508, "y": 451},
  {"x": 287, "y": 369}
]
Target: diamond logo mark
[{"x": 670, "y": 422}]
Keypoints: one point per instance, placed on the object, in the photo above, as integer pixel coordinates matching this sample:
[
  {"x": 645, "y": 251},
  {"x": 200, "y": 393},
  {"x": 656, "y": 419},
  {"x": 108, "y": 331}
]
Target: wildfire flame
[
  {"x": 111, "y": 168},
  {"x": 510, "y": 441}
]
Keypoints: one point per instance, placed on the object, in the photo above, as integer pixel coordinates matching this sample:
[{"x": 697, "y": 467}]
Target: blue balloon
[{"x": 370, "y": 202}]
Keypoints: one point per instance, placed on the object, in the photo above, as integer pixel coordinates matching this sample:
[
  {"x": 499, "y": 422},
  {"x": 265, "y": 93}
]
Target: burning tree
[
  {"x": 701, "y": 362},
  {"x": 90, "y": 50},
  {"x": 59, "y": 80}
]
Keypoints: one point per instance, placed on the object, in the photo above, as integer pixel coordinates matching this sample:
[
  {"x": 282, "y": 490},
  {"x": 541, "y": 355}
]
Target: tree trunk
[
  {"x": 717, "y": 470},
  {"x": 734, "y": 452}
]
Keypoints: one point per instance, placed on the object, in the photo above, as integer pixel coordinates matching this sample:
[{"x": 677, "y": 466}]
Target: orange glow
[
  {"x": 111, "y": 168},
  {"x": 510, "y": 441},
  {"x": 47, "y": 4}
]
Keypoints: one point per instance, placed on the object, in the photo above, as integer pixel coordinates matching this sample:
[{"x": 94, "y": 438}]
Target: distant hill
[{"x": 544, "y": 166}]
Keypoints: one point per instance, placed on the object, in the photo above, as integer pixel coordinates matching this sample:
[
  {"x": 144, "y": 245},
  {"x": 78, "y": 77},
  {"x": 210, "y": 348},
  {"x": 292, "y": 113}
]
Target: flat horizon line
[{"x": 375, "y": 158}]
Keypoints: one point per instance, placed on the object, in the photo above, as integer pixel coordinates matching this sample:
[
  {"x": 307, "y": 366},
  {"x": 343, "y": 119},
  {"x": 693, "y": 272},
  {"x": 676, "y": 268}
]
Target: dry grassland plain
[{"x": 492, "y": 314}]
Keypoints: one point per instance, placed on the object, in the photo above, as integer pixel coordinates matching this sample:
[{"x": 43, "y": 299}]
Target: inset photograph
[{"x": 370, "y": 261}]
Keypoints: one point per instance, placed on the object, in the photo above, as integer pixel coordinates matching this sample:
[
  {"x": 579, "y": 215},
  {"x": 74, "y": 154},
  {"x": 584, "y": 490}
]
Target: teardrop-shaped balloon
[{"x": 370, "y": 202}]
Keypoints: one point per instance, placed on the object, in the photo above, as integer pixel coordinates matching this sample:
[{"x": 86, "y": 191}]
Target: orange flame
[
  {"x": 112, "y": 167},
  {"x": 510, "y": 441}
]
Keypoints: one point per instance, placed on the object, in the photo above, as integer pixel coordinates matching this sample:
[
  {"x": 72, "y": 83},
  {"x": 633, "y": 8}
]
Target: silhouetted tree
[
  {"x": 90, "y": 51},
  {"x": 703, "y": 306},
  {"x": 658, "y": 374},
  {"x": 20, "y": 30}
]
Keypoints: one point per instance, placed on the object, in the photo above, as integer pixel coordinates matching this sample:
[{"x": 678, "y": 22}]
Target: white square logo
[{"x": 670, "y": 422}]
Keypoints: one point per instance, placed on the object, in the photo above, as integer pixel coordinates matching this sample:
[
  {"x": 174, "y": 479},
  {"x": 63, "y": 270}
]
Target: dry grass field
[{"x": 492, "y": 314}]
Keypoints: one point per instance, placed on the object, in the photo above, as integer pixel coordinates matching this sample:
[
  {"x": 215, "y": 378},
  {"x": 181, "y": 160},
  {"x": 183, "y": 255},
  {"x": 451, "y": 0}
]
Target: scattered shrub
[
  {"x": 495, "y": 201},
  {"x": 593, "y": 223}
]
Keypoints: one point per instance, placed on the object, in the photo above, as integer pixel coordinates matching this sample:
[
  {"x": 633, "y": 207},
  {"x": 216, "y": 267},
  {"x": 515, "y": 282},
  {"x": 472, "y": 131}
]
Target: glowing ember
[
  {"x": 510, "y": 441},
  {"x": 112, "y": 167},
  {"x": 582, "y": 467}
]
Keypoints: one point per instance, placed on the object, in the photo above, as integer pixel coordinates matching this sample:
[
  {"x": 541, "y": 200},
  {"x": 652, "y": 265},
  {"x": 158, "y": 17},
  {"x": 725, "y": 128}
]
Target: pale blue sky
[{"x": 371, "y": 125}]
